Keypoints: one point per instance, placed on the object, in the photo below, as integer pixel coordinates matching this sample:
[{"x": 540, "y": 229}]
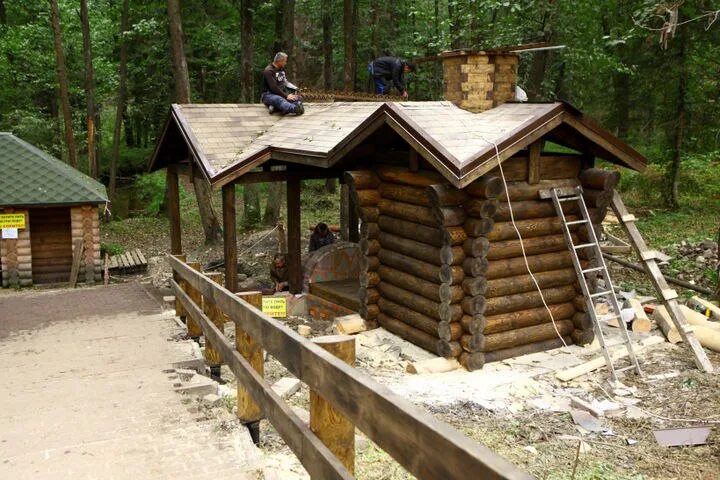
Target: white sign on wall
[{"x": 9, "y": 233}]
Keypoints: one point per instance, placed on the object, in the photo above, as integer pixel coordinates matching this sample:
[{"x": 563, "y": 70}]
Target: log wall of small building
[
  {"x": 15, "y": 255},
  {"x": 444, "y": 267},
  {"x": 85, "y": 225}
]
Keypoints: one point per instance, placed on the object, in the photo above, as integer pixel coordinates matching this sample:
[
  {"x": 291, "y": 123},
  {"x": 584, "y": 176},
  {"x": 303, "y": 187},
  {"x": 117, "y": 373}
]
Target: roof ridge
[{"x": 61, "y": 167}]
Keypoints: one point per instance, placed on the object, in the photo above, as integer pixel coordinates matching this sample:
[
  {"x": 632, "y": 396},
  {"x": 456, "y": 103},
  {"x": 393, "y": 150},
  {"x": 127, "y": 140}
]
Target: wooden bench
[{"x": 131, "y": 261}]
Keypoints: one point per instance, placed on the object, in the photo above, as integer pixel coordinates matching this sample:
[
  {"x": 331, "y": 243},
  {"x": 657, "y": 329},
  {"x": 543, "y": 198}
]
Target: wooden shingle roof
[{"x": 228, "y": 140}]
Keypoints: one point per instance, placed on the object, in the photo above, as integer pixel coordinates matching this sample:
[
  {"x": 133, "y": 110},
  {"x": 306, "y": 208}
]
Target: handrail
[{"x": 425, "y": 446}]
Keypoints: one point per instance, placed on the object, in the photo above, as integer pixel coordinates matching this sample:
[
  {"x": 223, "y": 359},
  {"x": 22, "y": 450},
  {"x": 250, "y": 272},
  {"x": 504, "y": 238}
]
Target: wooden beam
[
  {"x": 247, "y": 410},
  {"x": 534, "y": 162},
  {"x": 294, "y": 232},
  {"x": 282, "y": 175},
  {"x": 353, "y": 229},
  {"x": 229, "y": 236},
  {"x": 344, "y": 211},
  {"x": 173, "y": 202}
]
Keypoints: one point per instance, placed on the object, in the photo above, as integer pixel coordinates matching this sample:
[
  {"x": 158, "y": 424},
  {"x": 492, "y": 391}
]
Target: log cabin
[
  {"x": 427, "y": 190},
  {"x": 48, "y": 208}
]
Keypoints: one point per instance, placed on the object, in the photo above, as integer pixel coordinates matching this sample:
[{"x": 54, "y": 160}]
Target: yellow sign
[
  {"x": 276, "y": 307},
  {"x": 12, "y": 220}
]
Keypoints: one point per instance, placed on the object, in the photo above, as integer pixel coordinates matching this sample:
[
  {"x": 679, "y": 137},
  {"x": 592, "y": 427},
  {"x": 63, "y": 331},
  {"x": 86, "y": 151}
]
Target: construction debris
[
  {"x": 711, "y": 310},
  {"x": 349, "y": 324},
  {"x": 682, "y": 437},
  {"x": 433, "y": 365}
]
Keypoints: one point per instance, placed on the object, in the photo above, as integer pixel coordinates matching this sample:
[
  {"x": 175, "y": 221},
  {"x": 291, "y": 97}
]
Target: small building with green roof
[{"x": 46, "y": 207}]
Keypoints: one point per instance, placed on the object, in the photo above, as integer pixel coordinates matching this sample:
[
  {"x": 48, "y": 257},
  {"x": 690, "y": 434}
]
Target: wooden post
[
  {"x": 331, "y": 427},
  {"x": 534, "y": 162},
  {"x": 229, "y": 236},
  {"x": 193, "y": 329},
  {"x": 179, "y": 309},
  {"x": 294, "y": 233},
  {"x": 248, "y": 411},
  {"x": 353, "y": 229},
  {"x": 212, "y": 355},
  {"x": 344, "y": 211},
  {"x": 173, "y": 202}
]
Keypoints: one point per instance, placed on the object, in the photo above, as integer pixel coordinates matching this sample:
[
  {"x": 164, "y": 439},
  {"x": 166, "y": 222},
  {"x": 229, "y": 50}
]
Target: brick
[{"x": 286, "y": 387}]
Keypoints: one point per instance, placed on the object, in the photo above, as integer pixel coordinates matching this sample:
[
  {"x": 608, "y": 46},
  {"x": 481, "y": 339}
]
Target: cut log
[
  {"x": 512, "y": 352},
  {"x": 697, "y": 318},
  {"x": 582, "y": 321},
  {"x": 424, "y": 270},
  {"x": 709, "y": 307},
  {"x": 433, "y": 365},
  {"x": 369, "y": 280},
  {"x": 527, "y": 300},
  {"x": 369, "y": 246},
  {"x": 367, "y": 198},
  {"x": 478, "y": 227},
  {"x": 349, "y": 324},
  {"x": 641, "y": 323},
  {"x": 413, "y": 335},
  {"x": 475, "y": 285},
  {"x": 429, "y": 290},
  {"x": 519, "y": 191},
  {"x": 474, "y": 305},
  {"x": 663, "y": 320},
  {"x": 472, "y": 361},
  {"x": 486, "y": 187},
  {"x": 536, "y": 227},
  {"x": 481, "y": 208},
  {"x": 526, "y": 335},
  {"x": 449, "y": 216},
  {"x": 369, "y": 230},
  {"x": 476, "y": 246},
  {"x": 403, "y": 176},
  {"x": 597, "y": 198},
  {"x": 413, "y": 231},
  {"x": 410, "y": 316},
  {"x": 445, "y": 195},
  {"x": 527, "y": 318},
  {"x": 472, "y": 343},
  {"x": 582, "y": 337},
  {"x": 407, "y": 211},
  {"x": 533, "y": 246},
  {"x": 599, "y": 179},
  {"x": 475, "y": 266},
  {"x": 449, "y": 349},
  {"x": 421, "y": 251},
  {"x": 527, "y": 209},
  {"x": 453, "y": 235},
  {"x": 545, "y": 262},
  {"x": 599, "y": 362},
  {"x": 369, "y": 313},
  {"x": 452, "y": 255},
  {"x": 369, "y": 263},
  {"x": 369, "y": 214},
  {"x": 368, "y": 296},
  {"x": 473, "y": 324},
  {"x": 404, "y": 193},
  {"x": 524, "y": 283},
  {"x": 406, "y": 298},
  {"x": 449, "y": 331},
  {"x": 708, "y": 337},
  {"x": 362, "y": 179}
]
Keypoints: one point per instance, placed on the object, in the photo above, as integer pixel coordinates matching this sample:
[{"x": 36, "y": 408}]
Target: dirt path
[{"x": 85, "y": 396}]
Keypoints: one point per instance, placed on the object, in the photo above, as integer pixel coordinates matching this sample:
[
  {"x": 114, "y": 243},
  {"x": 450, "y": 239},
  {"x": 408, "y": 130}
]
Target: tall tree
[
  {"x": 327, "y": 43},
  {"x": 93, "y": 160},
  {"x": 3, "y": 13},
  {"x": 349, "y": 34},
  {"x": 203, "y": 193},
  {"x": 247, "y": 47},
  {"x": 121, "y": 96},
  {"x": 678, "y": 138},
  {"x": 288, "y": 35},
  {"x": 63, "y": 84}
]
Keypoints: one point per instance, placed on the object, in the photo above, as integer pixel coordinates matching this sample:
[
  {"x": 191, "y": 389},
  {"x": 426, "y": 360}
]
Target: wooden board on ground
[{"x": 132, "y": 261}]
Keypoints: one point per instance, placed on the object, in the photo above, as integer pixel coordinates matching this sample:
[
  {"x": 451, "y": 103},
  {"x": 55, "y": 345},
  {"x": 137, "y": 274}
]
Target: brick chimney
[{"x": 478, "y": 81}]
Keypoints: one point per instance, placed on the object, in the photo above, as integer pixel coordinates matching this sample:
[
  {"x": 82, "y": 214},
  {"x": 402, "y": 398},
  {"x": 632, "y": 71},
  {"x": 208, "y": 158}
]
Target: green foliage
[
  {"x": 111, "y": 249},
  {"x": 150, "y": 191}
]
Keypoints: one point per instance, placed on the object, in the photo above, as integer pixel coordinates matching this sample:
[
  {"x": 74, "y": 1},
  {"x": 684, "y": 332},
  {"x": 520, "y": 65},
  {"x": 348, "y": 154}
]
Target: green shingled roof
[{"x": 29, "y": 176}]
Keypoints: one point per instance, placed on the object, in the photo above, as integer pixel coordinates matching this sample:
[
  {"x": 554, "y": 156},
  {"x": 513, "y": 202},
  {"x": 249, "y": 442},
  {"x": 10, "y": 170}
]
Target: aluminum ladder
[{"x": 559, "y": 197}]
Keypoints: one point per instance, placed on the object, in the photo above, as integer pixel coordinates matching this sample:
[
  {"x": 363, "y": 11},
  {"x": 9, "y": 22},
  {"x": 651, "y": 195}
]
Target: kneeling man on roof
[
  {"x": 386, "y": 70},
  {"x": 279, "y": 94}
]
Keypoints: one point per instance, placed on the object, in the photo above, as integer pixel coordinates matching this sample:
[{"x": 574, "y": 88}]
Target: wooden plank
[
  {"x": 173, "y": 200},
  {"x": 77, "y": 257},
  {"x": 534, "y": 162},
  {"x": 660, "y": 284},
  {"x": 410, "y": 436},
  {"x": 229, "y": 236},
  {"x": 294, "y": 234},
  {"x": 312, "y": 453},
  {"x": 141, "y": 257}
]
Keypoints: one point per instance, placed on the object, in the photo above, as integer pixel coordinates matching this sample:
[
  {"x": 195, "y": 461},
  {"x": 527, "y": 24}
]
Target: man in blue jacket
[{"x": 386, "y": 70}]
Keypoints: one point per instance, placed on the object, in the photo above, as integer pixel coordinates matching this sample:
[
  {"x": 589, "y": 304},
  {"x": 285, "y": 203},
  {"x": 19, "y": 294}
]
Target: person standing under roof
[
  {"x": 320, "y": 237},
  {"x": 386, "y": 70},
  {"x": 277, "y": 93}
]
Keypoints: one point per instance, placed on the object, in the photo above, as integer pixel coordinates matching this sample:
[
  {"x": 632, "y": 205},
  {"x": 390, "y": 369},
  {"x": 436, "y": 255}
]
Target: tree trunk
[
  {"x": 121, "y": 98},
  {"x": 3, "y": 14},
  {"x": 288, "y": 36},
  {"x": 251, "y": 201},
  {"x": 276, "y": 194},
  {"x": 203, "y": 193},
  {"x": 376, "y": 32},
  {"x": 349, "y": 41},
  {"x": 327, "y": 26},
  {"x": 177, "y": 49},
  {"x": 93, "y": 160},
  {"x": 63, "y": 84},
  {"x": 247, "y": 35},
  {"x": 673, "y": 176}
]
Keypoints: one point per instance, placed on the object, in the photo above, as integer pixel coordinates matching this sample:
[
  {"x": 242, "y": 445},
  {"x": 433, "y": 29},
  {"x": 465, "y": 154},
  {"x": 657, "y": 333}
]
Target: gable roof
[
  {"x": 229, "y": 140},
  {"x": 31, "y": 177}
]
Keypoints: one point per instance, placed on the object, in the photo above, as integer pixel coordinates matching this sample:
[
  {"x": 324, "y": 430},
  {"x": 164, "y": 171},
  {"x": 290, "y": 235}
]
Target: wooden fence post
[
  {"x": 212, "y": 355},
  {"x": 331, "y": 427},
  {"x": 248, "y": 411},
  {"x": 193, "y": 329},
  {"x": 179, "y": 309}
]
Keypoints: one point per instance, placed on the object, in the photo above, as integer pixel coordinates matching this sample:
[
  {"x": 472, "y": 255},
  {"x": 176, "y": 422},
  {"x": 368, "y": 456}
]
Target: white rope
[{"x": 258, "y": 242}]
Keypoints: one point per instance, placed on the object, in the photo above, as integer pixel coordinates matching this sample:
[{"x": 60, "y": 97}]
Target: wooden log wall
[
  {"x": 85, "y": 225},
  {"x": 16, "y": 255},
  {"x": 445, "y": 267}
]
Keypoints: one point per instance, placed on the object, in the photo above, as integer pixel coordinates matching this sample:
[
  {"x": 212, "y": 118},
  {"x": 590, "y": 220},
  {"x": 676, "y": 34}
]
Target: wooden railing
[{"x": 426, "y": 447}]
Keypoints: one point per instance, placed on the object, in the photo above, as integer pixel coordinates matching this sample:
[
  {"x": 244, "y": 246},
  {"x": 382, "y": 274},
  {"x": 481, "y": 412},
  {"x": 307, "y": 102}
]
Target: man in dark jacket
[
  {"x": 385, "y": 70},
  {"x": 277, "y": 93}
]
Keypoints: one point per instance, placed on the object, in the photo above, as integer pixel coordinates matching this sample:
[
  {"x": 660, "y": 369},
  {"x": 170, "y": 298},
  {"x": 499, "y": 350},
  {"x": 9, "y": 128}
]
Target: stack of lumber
[{"x": 129, "y": 262}]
